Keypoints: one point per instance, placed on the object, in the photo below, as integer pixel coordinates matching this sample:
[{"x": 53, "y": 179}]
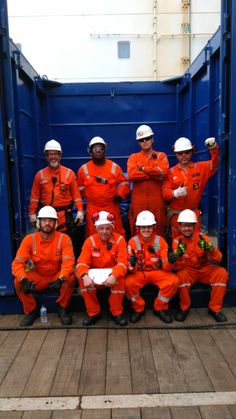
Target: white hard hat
[
  {"x": 99, "y": 276},
  {"x": 182, "y": 144},
  {"x": 52, "y": 145},
  {"x": 145, "y": 218},
  {"x": 47, "y": 212},
  {"x": 96, "y": 140},
  {"x": 144, "y": 131},
  {"x": 103, "y": 217},
  {"x": 187, "y": 216}
]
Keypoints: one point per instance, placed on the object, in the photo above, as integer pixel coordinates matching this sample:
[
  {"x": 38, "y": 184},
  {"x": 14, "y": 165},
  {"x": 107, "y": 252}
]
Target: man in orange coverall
[
  {"x": 56, "y": 185},
  {"x": 194, "y": 257},
  {"x": 44, "y": 259},
  {"x": 103, "y": 184},
  {"x": 149, "y": 265},
  {"x": 105, "y": 249},
  {"x": 147, "y": 169},
  {"x": 185, "y": 182}
]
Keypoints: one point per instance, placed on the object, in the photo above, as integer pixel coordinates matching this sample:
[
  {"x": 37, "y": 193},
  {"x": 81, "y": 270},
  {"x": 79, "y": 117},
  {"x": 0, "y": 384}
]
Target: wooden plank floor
[{"x": 145, "y": 358}]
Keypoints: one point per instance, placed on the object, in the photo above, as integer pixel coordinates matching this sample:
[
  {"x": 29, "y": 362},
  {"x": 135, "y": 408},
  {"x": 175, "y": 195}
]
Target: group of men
[{"x": 45, "y": 258}]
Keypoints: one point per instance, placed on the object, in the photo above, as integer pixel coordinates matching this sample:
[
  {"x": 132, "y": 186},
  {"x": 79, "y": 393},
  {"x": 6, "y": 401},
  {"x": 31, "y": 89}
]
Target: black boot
[
  {"x": 136, "y": 316},
  {"x": 65, "y": 317},
  {"x": 120, "y": 320},
  {"x": 218, "y": 317},
  {"x": 163, "y": 315},
  {"x": 181, "y": 315},
  {"x": 90, "y": 320},
  {"x": 29, "y": 319}
]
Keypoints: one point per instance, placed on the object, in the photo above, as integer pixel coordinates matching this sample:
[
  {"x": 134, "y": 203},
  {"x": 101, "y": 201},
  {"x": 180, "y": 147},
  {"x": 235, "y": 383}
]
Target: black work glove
[
  {"x": 117, "y": 199},
  {"x": 133, "y": 260},
  {"x": 204, "y": 245},
  {"x": 181, "y": 248},
  {"x": 172, "y": 257},
  {"x": 151, "y": 249},
  {"x": 27, "y": 286},
  {"x": 56, "y": 285}
]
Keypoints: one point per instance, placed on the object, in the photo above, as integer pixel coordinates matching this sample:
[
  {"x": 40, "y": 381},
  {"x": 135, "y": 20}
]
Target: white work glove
[
  {"x": 210, "y": 142},
  {"x": 181, "y": 191},
  {"x": 33, "y": 219},
  {"x": 79, "y": 217}
]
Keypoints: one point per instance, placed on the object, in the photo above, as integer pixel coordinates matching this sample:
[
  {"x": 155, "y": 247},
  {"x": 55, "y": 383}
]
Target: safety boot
[
  {"x": 120, "y": 320},
  {"x": 181, "y": 315},
  {"x": 163, "y": 315},
  {"x": 136, "y": 316},
  {"x": 29, "y": 319},
  {"x": 90, "y": 320},
  {"x": 65, "y": 317},
  {"x": 218, "y": 317}
]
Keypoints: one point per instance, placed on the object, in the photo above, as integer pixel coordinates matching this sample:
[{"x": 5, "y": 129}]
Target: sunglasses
[{"x": 144, "y": 139}]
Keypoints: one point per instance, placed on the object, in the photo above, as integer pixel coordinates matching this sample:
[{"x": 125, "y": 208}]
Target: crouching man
[
  {"x": 149, "y": 265},
  {"x": 45, "y": 259},
  {"x": 194, "y": 257},
  {"x": 105, "y": 249}
]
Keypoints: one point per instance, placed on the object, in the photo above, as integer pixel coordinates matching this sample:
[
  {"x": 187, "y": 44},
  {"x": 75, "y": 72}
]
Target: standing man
[
  {"x": 56, "y": 185},
  {"x": 105, "y": 249},
  {"x": 194, "y": 257},
  {"x": 146, "y": 170},
  {"x": 185, "y": 182},
  {"x": 104, "y": 185},
  {"x": 44, "y": 259},
  {"x": 149, "y": 265}
]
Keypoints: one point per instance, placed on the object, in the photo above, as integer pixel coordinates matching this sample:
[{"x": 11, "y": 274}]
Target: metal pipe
[{"x": 155, "y": 40}]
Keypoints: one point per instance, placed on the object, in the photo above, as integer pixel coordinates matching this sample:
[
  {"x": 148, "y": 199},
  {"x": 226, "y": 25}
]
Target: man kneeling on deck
[
  {"x": 45, "y": 259},
  {"x": 194, "y": 257},
  {"x": 104, "y": 250},
  {"x": 149, "y": 265}
]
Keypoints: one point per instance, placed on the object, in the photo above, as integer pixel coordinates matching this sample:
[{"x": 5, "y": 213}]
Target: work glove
[
  {"x": 181, "y": 191},
  {"x": 181, "y": 248},
  {"x": 172, "y": 256},
  {"x": 56, "y": 285},
  {"x": 33, "y": 219},
  {"x": 151, "y": 249},
  {"x": 204, "y": 245},
  {"x": 133, "y": 260},
  {"x": 27, "y": 286},
  {"x": 117, "y": 199},
  {"x": 210, "y": 142},
  {"x": 79, "y": 217}
]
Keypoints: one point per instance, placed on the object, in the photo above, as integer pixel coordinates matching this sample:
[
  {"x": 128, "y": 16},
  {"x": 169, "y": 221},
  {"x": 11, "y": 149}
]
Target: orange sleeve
[
  {"x": 158, "y": 166},
  {"x": 35, "y": 195},
  {"x": 84, "y": 261},
  {"x": 123, "y": 187},
  {"x": 120, "y": 269},
  {"x": 22, "y": 257},
  {"x": 76, "y": 193},
  {"x": 80, "y": 182},
  {"x": 134, "y": 173},
  {"x": 68, "y": 259},
  {"x": 132, "y": 250},
  {"x": 215, "y": 158},
  {"x": 215, "y": 255},
  {"x": 166, "y": 266},
  {"x": 167, "y": 187}
]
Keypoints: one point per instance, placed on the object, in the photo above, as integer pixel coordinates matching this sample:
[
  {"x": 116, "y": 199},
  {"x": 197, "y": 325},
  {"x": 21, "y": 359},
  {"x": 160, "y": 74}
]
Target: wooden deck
[{"x": 146, "y": 358}]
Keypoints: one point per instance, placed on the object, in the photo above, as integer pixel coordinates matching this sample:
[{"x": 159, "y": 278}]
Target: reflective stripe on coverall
[
  {"x": 194, "y": 266},
  {"x": 62, "y": 193},
  {"x": 195, "y": 179},
  {"x": 100, "y": 195},
  {"x": 95, "y": 254},
  {"x": 43, "y": 261},
  {"x": 150, "y": 269},
  {"x": 146, "y": 193}
]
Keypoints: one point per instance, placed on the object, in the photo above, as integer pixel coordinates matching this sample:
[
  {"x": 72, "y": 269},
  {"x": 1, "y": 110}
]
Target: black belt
[{"x": 63, "y": 208}]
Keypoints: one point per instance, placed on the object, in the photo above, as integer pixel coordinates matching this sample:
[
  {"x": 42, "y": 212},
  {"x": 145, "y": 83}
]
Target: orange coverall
[
  {"x": 194, "y": 266},
  {"x": 100, "y": 195},
  {"x": 151, "y": 268},
  {"x": 195, "y": 179},
  {"x": 96, "y": 255},
  {"x": 43, "y": 261},
  {"x": 146, "y": 192},
  {"x": 60, "y": 194}
]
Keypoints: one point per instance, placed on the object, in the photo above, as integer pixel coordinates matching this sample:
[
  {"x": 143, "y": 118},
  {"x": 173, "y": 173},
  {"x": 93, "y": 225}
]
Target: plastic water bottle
[{"x": 43, "y": 314}]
